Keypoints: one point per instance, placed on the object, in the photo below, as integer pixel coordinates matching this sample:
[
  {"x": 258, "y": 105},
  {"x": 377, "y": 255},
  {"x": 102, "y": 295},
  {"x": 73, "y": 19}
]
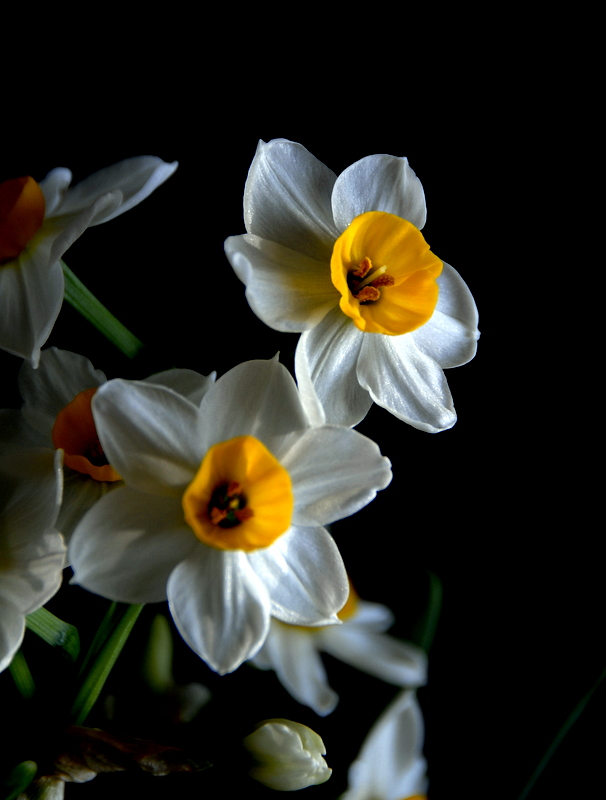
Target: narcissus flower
[
  {"x": 288, "y": 755},
  {"x": 390, "y": 765},
  {"x": 39, "y": 222},
  {"x": 294, "y": 653},
  {"x": 32, "y": 553},
  {"x": 343, "y": 260},
  {"x": 57, "y": 415},
  {"x": 224, "y": 507}
]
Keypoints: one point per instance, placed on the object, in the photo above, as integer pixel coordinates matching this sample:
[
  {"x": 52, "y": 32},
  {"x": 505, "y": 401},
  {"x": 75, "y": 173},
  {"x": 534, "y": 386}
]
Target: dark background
[{"x": 498, "y": 507}]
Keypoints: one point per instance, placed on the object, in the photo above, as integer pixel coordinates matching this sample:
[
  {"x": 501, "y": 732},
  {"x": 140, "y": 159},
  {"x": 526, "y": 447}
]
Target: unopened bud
[{"x": 288, "y": 755}]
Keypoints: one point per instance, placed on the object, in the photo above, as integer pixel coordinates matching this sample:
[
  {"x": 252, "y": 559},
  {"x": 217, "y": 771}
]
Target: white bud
[{"x": 288, "y": 755}]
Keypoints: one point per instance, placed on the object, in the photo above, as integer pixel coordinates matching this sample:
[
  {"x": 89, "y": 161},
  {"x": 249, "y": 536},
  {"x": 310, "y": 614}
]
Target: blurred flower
[
  {"x": 343, "y": 260},
  {"x": 39, "y": 222},
  {"x": 390, "y": 765},
  {"x": 224, "y": 507},
  {"x": 32, "y": 553},
  {"x": 294, "y": 653},
  {"x": 56, "y": 414},
  {"x": 288, "y": 755}
]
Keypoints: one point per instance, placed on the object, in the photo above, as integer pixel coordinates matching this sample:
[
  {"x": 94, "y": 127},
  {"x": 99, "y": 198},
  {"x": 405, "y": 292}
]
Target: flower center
[
  {"x": 21, "y": 215},
  {"x": 241, "y": 497},
  {"x": 401, "y": 293},
  {"x": 75, "y": 433}
]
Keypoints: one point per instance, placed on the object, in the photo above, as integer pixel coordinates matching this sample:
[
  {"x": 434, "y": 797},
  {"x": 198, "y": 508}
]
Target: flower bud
[{"x": 288, "y": 755}]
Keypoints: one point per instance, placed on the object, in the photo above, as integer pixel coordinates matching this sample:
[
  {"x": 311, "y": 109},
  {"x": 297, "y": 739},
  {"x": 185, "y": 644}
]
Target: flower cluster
[{"x": 215, "y": 494}]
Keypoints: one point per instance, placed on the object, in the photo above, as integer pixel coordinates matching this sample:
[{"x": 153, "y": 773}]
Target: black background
[{"x": 497, "y": 507}]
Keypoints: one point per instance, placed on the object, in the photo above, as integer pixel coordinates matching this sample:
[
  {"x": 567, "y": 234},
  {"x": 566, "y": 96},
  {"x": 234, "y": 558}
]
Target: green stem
[
  {"x": 426, "y": 629},
  {"x": 572, "y": 718},
  {"x": 55, "y": 632},
  {"x": 95, "y": 679},
  {"x": 18, "y": 780},
  {"x": 85, "y": 302},
  {"x": 22, "y": 676},
  {"x": 103, "y": 631}
]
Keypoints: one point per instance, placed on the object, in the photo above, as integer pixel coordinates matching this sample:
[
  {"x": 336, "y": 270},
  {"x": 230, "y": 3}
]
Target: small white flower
[
  {"x": 32, "y": 553},
  {"x": 224, "y": 507},
  {"x": 288, "y": 755},
  {"x": 343, "y": 260},
  {"x": 294, "y": 653},
  {"x": 39, "y": 222},
  {"x": 390, "y": 765}
]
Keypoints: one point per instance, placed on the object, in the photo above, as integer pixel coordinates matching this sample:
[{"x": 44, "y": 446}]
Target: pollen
[
  {"x": 75, "y": 433},
  {"x": 22, "y": 210},
  {"x": 241, "y": 497}
]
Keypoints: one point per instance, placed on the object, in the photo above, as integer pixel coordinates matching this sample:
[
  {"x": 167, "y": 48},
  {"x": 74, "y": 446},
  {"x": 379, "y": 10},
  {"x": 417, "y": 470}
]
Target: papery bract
[
  {"x": 39, "y": 222},
  {"x": 343, "y": 261}
]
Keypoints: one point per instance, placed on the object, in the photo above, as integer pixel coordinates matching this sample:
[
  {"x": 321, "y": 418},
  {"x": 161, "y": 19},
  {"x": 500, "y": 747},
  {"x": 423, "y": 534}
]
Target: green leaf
[
  {"x": 22, "y": 676},
  {"x": 85, "y": 302},
  {"x": 103, "y": 663},
  {"x": 55, "y": 632},
  {"x": 426, "y": 628},
  {"x": 18, "y": 780}
]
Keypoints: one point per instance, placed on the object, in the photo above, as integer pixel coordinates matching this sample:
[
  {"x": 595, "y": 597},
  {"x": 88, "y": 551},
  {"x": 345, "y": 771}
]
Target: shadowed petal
[
  {"x": 406, "y": 382},
  {"x": 220, "y": 606},
  {"x": 378, "y": 183},
  {"x": 148, "y": 434},
  {"x": 287, "y": 290},
  {"x": 287, "y": 199},
  {"x": 128, "y": 544},
  {"x": 451, "y": 334},
  {"x": 326, "y": 359},
  {"x": 304, "y": 575},
  {"x": 292, "y": 653},
  {"x": 334, "y": 472}
]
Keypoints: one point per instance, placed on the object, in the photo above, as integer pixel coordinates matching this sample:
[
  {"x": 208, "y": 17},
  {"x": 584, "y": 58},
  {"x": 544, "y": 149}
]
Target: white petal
[
  {"x": 406, "y": 382},
  {"x": 304, "y": 575},
  {"x": 12, "y": 628},
  {"x": 31, "y": 483},
  {"x": 31, "y": 574},
  {"x": 185, "y": 382},
  {"x": 378, "y": 183},
  {"x": 450, "y": 335},
  {"x": 220, "y": 607},
  {"x": 377, "y": 654},
  {"x": 134, "y": 178},
  {"x": 293, "y": 655},
  {"x": 31, "y": 294},
  {"x": 285, "y": 289},
  {"x": 256, "y": 398},
  {"x": 60, "y": 376},
  {"x": 327, "y": 357},
  {"x": 127, "y": 545},
  {"x": 390, "y": 765},
  {"x": 372, "y": 617},
  {"x": 148, "y": 434},
  {"x": 287, "y": 199},
  {"x": 334, "y": 471},
  {"x": 54, "y": 187},
  {"x": 80, "y": 493}
]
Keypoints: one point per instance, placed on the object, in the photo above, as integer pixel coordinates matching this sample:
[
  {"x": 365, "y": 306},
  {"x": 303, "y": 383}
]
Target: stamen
[
  {"x": 363, "y": 269},
  {"x": 373, "y": 276},
  {"x": 368, "y": 294},
  {"x": 228, "y": 506}
]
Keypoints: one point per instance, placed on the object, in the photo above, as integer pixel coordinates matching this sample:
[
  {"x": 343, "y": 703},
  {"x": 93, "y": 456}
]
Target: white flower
[
  {"x": 294, "y": 653},
  {"x": 32, "y": 553},
  {"x": 56, "y": 414},
  {"x": 39, "y": 222},
  {"x": 288, "y": 755},
  {"x": 224, "y": 507},
  {"x": 390, "y": 765},
  {"x": 343, "y": 260}
]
